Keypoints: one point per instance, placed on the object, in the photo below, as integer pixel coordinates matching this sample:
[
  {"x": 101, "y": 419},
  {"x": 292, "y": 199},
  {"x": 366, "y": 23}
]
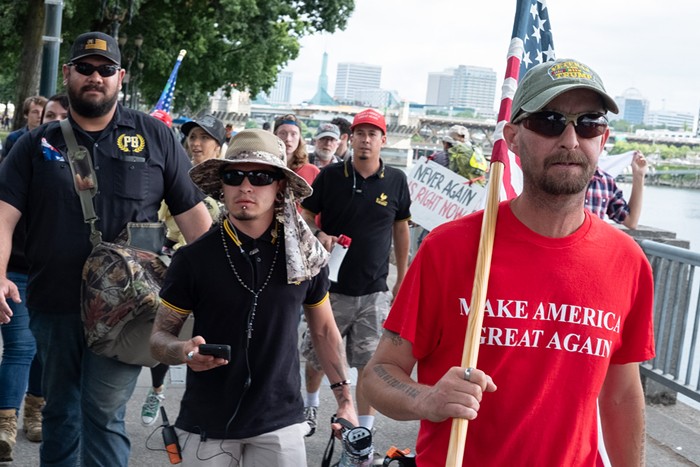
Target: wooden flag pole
[{"x": 470, "y": 353}]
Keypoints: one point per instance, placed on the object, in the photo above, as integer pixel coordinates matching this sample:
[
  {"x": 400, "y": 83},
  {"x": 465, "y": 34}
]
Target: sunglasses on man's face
[
  {"x": 255, "y": 177},
  {"x": 87, "y": 69},
  {"x": 550, "y": 124}
]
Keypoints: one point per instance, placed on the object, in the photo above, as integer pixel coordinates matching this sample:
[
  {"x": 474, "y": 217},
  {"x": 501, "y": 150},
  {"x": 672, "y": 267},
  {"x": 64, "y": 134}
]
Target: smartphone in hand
[{"x": 216, "y": 350}]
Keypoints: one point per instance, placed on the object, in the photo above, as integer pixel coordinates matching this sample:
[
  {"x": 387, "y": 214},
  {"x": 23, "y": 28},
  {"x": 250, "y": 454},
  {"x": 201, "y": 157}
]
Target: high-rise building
[
  {"x": 439, "y": 88},
  {"x": 633, "y": 107},
  {"x": 355, "y": 77},
  {"x": 281, "y": 92},
  {"x": 683, "y": 121},
  {"x": 378, "y": 98},
  {"x": 463, "y": 87},
  {"x": 473, "y": 87}
]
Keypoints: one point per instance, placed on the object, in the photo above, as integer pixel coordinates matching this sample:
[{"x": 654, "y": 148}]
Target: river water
[
  {"x": 676, "y": 210},
  {"x": 673, "y": 209}
]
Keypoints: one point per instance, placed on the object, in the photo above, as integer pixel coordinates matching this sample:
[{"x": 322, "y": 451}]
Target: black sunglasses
[
  {"x": 87, "y": 69},
  {"x": 551, "y": 124},
  {"x": 255, "y": 177}
]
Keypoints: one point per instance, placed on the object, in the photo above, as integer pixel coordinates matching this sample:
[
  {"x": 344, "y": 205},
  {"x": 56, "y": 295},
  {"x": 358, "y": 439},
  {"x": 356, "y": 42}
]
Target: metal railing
[{"x": 676, "y": 318}]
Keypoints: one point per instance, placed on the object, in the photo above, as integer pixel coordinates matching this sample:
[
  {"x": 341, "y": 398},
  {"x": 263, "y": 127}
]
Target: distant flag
[
  {"x": 166, "y": 97},
  {"x": 531, "y": 44}
]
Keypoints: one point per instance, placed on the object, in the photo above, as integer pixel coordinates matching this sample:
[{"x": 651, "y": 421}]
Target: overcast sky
[{"x": 650, "y": 45}]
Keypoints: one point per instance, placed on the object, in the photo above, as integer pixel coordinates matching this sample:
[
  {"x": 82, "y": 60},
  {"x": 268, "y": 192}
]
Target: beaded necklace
[{"x": 251, "y": 314}]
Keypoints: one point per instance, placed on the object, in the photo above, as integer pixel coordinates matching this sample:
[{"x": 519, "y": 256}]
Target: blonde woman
[{"x": 204, "y": 138}]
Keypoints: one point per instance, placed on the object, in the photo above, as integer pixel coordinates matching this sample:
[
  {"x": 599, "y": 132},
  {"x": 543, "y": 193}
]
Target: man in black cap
[{"x": 138, "y": 163}]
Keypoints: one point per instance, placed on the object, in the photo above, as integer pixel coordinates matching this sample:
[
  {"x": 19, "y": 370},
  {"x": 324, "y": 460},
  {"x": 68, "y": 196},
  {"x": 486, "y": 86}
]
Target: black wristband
[
  {"x": 339, "y": 384},
  {"x": 316, "y": 232}
]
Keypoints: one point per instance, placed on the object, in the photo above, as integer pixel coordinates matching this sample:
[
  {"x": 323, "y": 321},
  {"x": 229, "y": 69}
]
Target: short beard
[
  {"x": 324, "y": 155},
  {"x": 89, "y": 109},
  {"x": 569, "y": 185}
]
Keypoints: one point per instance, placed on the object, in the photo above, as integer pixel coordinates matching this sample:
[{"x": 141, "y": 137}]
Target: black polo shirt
[
  {"x": 138, "y": 163},
  {"x": 201, "y": 281},
  {"x": 364, "y": 210}
]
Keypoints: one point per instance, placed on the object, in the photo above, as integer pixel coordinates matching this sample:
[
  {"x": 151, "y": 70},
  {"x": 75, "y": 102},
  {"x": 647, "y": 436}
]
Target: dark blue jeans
[
  {"x": 86, "y": 396},
  {"x": 19, "y": 364}
]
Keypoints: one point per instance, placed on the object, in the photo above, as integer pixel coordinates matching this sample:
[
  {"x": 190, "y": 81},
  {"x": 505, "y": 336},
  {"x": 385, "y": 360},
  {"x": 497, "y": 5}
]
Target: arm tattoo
[
  {"x": 169, "y": 321},
  {"x": 395, "y": 338},
  {"x": 165, "y": 345},
  {"x": 395, "y": 383}
]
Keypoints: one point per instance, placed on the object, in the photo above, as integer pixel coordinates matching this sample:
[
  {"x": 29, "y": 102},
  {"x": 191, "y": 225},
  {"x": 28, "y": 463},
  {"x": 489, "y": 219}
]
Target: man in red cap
[{"x": 369, "y": 202}]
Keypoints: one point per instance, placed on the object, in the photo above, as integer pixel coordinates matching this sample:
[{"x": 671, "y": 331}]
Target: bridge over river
[{"x": 428, "y": 129}]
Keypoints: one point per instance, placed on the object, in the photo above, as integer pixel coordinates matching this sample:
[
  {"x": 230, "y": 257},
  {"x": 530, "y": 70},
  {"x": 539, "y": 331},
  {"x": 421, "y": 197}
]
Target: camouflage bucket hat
[{"x": 249, "y": 146}]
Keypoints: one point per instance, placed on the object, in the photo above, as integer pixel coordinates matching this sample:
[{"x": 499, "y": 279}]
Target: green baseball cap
[{"x": 544, "y": 82}]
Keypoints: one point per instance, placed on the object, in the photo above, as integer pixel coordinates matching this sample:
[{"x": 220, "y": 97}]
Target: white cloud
[{"x": 646, "y": 44}]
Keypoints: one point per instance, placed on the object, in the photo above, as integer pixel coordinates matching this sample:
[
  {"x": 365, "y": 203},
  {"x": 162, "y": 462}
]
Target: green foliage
[
  {"x": 625, "y": 127},
  {"x": 239, "y": 44},
  {"x": 251, "y": 124},
  {"x": 665, "y": 151},
  {"x": 471, "y": 113}
]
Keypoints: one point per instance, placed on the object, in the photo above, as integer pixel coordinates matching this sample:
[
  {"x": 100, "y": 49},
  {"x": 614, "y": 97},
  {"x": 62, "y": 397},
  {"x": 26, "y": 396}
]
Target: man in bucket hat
[
  {"x": 244, "y": 282},
  {"x": 563, "y": 331}
]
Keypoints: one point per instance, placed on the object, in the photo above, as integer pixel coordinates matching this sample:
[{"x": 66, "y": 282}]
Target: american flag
[
  {"x": 531, "y": 44},
  {"x": 166, "y": 97}
]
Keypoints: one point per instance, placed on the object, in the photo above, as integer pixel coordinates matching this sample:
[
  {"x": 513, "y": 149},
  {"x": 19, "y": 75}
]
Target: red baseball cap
[
  {"x": 163, "y": 116},
  {"x": 371, "y": 117}
]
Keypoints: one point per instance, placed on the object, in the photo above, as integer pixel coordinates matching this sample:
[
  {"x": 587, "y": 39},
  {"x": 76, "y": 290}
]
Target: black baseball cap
[
  {"x": 96, "y": 43},
  {"x": 208, "y": 123}
]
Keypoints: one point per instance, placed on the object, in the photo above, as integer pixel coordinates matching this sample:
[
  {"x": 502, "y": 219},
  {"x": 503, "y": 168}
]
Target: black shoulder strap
[{"x": 74, "y": 155}]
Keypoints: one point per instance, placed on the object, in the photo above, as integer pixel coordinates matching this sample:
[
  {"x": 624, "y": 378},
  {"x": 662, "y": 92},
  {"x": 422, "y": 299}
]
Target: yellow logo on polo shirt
[
  {"x": 382, "y": 200},
  {"x": 131, "y": 143}
]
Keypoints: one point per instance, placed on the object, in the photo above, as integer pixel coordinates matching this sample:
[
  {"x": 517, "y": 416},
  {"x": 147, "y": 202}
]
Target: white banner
[
  {"x": 615, "y": 165},
  {"x": 439, "y": 195}
]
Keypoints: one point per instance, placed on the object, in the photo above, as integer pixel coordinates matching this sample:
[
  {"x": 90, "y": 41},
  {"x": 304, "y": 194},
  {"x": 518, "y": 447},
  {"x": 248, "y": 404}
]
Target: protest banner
[{"x": 439, "y": 195}]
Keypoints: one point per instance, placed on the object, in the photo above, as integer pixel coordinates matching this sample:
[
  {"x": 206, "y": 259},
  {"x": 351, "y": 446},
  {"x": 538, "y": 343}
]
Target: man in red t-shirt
[{"x": 567, "y": 317}]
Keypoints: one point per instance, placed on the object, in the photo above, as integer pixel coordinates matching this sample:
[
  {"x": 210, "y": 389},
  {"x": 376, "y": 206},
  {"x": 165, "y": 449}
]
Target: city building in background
[
  {"x": 464, "y": 87},
  {"x": 473, "y": 87},
  {"x": 377, "y": 98},
  {"x": 684, "y": 121},
  {"x": 236, "y": 102},
  {"x": 439, "y": 88},
  {"x": 281, "y": 91},
  {"x": 354, "y": 78},
  {"x": 633, "y": 107}
]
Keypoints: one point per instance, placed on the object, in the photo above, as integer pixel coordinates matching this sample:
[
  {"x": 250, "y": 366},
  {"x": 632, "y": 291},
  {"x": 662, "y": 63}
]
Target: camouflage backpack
[
  {"x": 120, "y": 281},
  {"x": 120, "y": 297}
]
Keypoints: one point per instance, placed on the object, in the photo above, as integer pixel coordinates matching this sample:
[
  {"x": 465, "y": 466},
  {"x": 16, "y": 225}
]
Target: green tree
[{"x": 237, "y": 44}]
